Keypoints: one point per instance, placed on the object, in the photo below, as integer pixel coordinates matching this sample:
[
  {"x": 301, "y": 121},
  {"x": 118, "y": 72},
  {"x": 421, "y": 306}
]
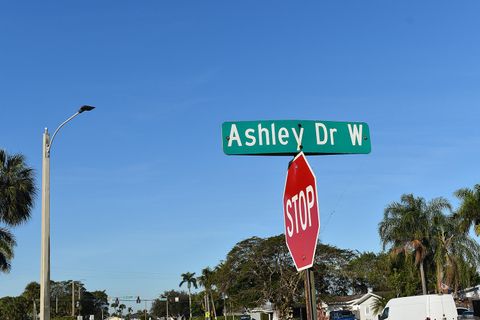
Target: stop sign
[{"x": 300, "y": 208}]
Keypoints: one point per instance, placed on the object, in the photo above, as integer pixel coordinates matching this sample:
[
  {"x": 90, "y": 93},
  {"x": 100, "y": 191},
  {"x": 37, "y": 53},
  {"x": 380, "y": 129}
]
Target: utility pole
[
  {"x": 145, "y": 309},
  {"x": 167, "y": 308},
  {"x": 73, "y": 298}
]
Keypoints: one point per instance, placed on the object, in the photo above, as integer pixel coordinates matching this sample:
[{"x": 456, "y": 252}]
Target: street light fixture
[{"x": 45, "y": 254}]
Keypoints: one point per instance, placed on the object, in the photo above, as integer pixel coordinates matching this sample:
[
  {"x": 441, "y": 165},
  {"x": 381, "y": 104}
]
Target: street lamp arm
[
  {"x": 56, "y": 130},
  {"x": 82, "y": 109}
]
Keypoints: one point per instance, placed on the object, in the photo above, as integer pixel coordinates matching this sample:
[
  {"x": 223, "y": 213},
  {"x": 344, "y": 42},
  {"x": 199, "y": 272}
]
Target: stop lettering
[{"x": 300, "y": 206}]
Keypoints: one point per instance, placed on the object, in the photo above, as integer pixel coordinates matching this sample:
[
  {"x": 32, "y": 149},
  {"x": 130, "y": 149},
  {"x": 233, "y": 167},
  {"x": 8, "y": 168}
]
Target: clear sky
[{"x": 141, "y": 190}]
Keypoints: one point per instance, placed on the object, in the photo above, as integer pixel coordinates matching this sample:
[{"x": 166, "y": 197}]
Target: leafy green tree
[
  {"x": 239, "y": 271},
  {"x": 404, "y": 278},
  {"x": 281, "y": 284},
  {"x": 331, "y": 270},
  {"x": 189, "y": 279},
  {"x": 469, "y": 211},
  {"x": 31, "y": 293},
  {"x": 92, "y": 303},
  {"x": 368, "y": 270},
  {"x": 176, "y": 309},
  {"x": 261, "y": 270},
  {"x": 121, "y": 307},
  {"x": 114, "y": 305},
  {"x": 405, "y": 228},
  {"x": 17, "y": 192},
  {"x": 13, "y": 308},
  {"x": 99, "y": 302},
  {"x": 129, "y": 313},
  {"x": 61, "y": 291}
]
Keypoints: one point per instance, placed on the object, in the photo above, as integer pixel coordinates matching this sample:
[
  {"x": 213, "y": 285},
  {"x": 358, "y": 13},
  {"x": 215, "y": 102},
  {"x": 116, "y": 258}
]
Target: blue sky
[{"x": 141, "y": 190}]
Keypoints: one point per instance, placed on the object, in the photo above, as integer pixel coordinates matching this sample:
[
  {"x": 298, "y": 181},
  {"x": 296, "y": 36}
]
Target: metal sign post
[{"x": 310, "y": 296}]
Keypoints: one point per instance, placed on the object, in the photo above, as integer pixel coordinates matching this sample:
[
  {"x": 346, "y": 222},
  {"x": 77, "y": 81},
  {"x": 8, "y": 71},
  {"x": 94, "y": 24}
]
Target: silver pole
[
  {"x": 45, "y": 259},
  {"x": 73, "y": 298}
]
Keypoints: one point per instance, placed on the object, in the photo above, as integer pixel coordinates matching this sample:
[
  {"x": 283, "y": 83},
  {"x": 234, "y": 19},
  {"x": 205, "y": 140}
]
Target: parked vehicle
[
  {"x": 342, "y": 315},
  {"x": 468, "y": 315},
  {"x": 461, "y": 310},
  {"x": 426, "y": 307}
]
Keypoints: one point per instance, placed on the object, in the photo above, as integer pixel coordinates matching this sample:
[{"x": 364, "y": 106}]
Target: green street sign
[{"x": 289, "y": 137}]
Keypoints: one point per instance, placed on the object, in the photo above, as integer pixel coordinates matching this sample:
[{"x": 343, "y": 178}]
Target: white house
[
  {"x": 267, "y": 308},
  {"x": 472, "y": 292},
  {"x": 360, "y": 305}
]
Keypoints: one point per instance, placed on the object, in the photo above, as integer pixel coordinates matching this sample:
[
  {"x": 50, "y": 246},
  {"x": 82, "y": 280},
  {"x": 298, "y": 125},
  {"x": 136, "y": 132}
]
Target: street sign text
[{"x": 289, "y": 137}]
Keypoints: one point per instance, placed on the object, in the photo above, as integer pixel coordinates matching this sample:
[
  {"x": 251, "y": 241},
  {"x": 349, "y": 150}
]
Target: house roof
[
  {"x": 476, "y": 288},
  {"x": 344, "y": 299},
  {"x": 351, "y": 300}
]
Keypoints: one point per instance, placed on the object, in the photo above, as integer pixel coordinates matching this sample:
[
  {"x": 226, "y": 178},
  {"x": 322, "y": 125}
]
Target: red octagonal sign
[{"x": 300, "y": 208}]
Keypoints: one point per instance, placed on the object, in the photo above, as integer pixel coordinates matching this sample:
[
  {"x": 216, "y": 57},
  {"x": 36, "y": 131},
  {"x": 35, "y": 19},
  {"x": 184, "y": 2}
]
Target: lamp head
[{"x": 85, "y": 108}]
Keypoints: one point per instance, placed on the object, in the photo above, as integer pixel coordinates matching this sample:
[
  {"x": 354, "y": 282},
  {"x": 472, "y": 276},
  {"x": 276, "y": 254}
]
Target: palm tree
[
  {"x": 189, "y": 279},
  {"x": 206, "y": 280},
  {"x": 405, "y": 228},
  {"x": 17, "y": 192},
  {"x": 469, "y": 211},
  {"x": 455, "y": 251},
  {"x": 380, "y": 302},
  {"x": 121, "y": 307},
  {"x": 7, "y": 242},
  {"x": 223, "y": 282},
  {"x": 114, "y": 305}
]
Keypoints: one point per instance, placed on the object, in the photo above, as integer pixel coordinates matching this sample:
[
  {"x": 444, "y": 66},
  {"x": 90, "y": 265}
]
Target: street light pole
[
  {"x": 45, "y": 263},
  {"x": 73, "y": 298},
  {"x": 45, "y": 252}
]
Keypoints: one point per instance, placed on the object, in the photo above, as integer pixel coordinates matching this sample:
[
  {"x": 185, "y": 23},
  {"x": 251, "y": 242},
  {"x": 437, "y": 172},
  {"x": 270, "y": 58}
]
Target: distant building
[
  {"x": 361, "y": 305},
  {"x": 472, "y": 292}
]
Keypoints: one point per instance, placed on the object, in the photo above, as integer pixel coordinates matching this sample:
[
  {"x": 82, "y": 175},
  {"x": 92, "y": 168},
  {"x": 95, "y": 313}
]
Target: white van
[{"x": 427, "y": 307}]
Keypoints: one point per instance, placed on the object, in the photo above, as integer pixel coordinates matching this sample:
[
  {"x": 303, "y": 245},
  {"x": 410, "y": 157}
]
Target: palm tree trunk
[
  {"x": 207, "y": 305},
  {"x": 213, "y": 304},
  {"x": 422, "y": 276},
  {"x": 439, "y": 278},
  {"x": 190, "y": 303}
]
